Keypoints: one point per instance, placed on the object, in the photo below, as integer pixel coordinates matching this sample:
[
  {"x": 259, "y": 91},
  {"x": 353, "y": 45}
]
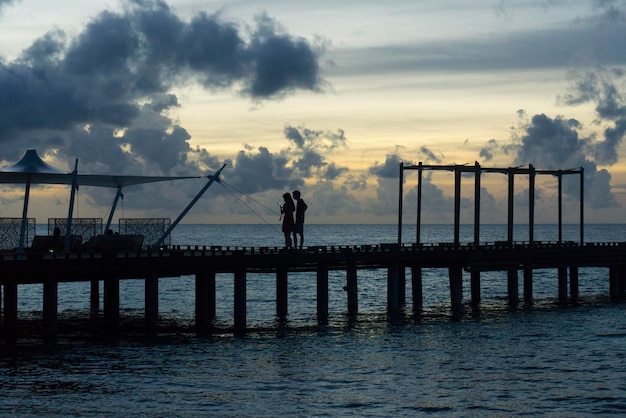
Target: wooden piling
[
  {"x": 94, "y": 298},
  {"x": 205, "y": 299},
  {"x": 112, "y": 302},
  {"x": 10, "y": 312},
  {"x": 475, "y": 287},
  {"x": 322, "y": 294},
  {"x": 240, "y": 300},
  {"x": 528, "y": 285},
  {"x": 513, "y": 286},
  {"x": 393, "y": 289},
  {"x": 562, "y": 273},
  {"x": 281, "y": 292},
  {"x": 455, "y": 275},
  {"x": 621, "y": 282},
  {"x": 151, "y": 296},
  {"x": 50, "y": 308},
  {"x": 352, "y": 288},
  {"x": 573, "y": 282},
  {"x": 416, "y": 288}
]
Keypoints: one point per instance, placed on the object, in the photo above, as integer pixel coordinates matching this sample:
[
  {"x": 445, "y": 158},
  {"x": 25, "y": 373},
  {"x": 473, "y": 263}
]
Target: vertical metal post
[
  {"x": 531, "y": 204},
  {"x": 400, "y": 181},
  {"x": 419, "y": 202},
  {"x": 477, "y": 173},
  {"x": 560, "y": 178},
  {"x": 20, "y": 248},
  {"x": 511, "y": 199},
  {"x": 457, "y": 204},
  {"x": 582, "y": 206}
]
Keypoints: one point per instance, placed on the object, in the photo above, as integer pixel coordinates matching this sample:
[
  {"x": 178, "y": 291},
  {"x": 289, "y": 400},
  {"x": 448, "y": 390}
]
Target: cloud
[
  {"x": 106, "y": 95},
  {"x": 599, "y": 85}
]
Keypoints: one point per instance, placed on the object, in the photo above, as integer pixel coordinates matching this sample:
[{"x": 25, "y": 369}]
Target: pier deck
[{"x": 204, "y": 263}]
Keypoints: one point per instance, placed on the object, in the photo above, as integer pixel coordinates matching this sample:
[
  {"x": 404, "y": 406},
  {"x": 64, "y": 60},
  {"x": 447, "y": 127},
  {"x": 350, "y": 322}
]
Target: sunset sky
[{"x": 327, "y": 97}]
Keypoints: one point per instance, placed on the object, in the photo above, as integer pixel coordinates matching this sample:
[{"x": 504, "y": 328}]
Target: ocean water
[{"x": 544, "y": 359}]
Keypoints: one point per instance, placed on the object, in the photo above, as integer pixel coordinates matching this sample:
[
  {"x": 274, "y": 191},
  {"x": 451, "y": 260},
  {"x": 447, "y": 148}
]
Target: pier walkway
[{"x": 109, "y": 267}]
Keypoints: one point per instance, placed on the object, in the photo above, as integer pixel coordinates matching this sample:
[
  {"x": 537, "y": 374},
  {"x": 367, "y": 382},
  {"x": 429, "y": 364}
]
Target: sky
[{"x": 326, "y": 97}]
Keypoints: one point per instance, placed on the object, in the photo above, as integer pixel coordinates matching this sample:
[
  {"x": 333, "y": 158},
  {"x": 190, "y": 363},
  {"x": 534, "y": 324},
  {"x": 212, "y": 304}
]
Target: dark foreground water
[{"x": 540, "y": 360}]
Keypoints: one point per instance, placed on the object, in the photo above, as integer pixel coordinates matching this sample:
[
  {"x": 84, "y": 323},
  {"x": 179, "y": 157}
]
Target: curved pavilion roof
[{"x": 32, "y": 169}]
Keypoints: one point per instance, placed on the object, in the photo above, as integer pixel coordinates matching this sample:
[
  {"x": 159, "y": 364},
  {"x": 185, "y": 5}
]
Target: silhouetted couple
[{"x": 291, "y": 226}]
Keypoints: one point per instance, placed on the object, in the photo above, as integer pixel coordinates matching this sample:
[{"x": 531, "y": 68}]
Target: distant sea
[{"x": 543, "y": 359}]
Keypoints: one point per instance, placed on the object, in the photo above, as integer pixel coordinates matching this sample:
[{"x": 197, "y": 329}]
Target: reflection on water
[{"x": 495, "y": 361}]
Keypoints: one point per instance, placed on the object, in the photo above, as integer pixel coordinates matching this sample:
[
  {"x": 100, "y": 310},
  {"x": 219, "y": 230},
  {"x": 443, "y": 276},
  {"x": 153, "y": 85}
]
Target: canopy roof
[{"x": 32, "y": 169}]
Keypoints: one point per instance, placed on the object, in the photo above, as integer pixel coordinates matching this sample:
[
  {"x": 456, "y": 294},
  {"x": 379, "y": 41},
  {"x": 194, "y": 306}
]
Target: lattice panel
[
  {"x": 10, "y": 229},
  {"x": 84, "y": 227},
  {"x": 151, "y": 228}
]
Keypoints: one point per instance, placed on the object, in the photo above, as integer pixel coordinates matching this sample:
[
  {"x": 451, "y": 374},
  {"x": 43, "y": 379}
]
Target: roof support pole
[
  {"x": 70, "y": 212},
  {"x": 113, "y": 207},
  {"x": 214, "y": 177},
  {"x": 20, "y": 248}
]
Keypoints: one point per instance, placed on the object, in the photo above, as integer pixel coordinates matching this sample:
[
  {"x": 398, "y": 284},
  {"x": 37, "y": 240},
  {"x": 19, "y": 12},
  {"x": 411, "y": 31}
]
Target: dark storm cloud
[
  {"x": 121, "y": 60},
  {"x": 104, "y": 95},
  {"x": 390, "y": 168},
  {"x": 260, "y": 171},
  {"x": 601, "y": 87},
  {"x": 310, "y": 149},
  {"x": 549, "y": 143}
]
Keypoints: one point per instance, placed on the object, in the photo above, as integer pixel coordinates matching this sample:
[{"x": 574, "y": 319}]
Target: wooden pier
[{"x": 50, "y": 269}]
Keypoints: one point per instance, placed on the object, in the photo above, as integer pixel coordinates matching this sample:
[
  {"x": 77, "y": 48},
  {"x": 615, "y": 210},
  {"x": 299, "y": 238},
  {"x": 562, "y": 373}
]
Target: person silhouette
[
  {"x": 287, "y": 209},
  {"x": 301, "y": 207}
]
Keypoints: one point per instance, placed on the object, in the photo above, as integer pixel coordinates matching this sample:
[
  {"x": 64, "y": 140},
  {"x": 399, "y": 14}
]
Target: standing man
[{"x": 301, "y": 207}]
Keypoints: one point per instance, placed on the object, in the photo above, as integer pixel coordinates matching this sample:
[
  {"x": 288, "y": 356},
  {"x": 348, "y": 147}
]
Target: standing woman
[{"x": 287, "y": 209}]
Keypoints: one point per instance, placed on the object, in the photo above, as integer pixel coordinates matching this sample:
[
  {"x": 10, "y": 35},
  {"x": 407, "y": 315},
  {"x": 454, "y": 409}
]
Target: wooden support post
[
  {"x": 562, "y": 271},
  {"x": 282, "y": 281},
  {"x": 94, "y": 298},
  {"x": 613, "y": 282},
  {"x": 475, "y": 287},
  {"x": 513, "y": 286},
  {"x": 622, "y": 282},
  {"x": 352, "y": 289},
  {"x": 573, "y": 282},
  {"x": 112, "y": 302},
  {"x": 50, "y": 308},
  {"x": 205, "y": 299},
  {"x": 10, "y": 312},
  {"x": 402, "y": 286},
  {"x": 322, "y": 294},
  {"x": 455, "y": 275},
  {"x": 393, "y": 290},
  {"x": 528, "y": 285},
  {"x": 416, "y": 285},
  {"x": 151, "y": 296},
  {"x": 240, "y": 300}
]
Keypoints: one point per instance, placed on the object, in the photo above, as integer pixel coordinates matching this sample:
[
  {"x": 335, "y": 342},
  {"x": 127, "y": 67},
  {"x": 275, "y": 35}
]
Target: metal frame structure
[{"x": 511, "y": 172}]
